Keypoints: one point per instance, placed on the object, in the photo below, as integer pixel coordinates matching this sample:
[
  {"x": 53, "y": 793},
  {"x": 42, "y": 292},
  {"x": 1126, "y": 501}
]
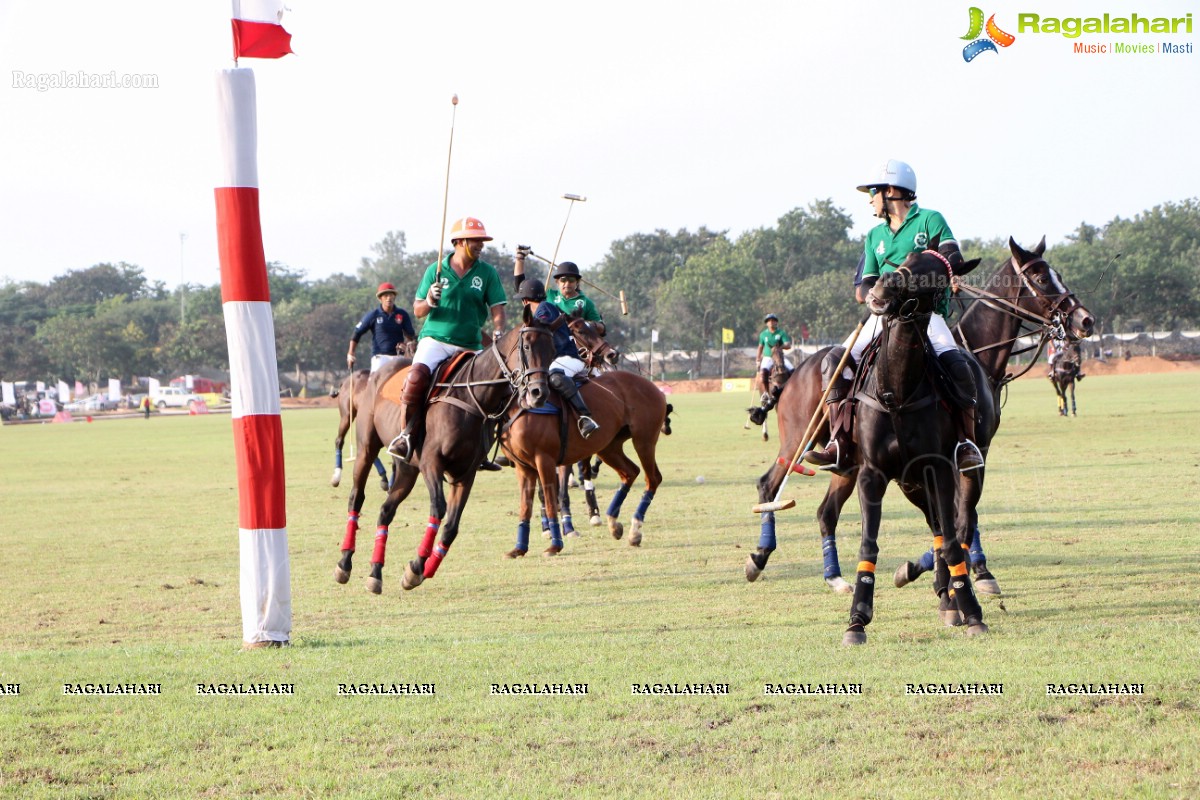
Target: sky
[{"x": 662, "y": 114}]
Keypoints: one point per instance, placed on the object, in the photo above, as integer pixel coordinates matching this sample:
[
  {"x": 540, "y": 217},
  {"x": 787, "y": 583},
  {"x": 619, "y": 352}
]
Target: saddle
[
  {"x": 394, "y": 386},
  {"x": 943, "y": 388}
]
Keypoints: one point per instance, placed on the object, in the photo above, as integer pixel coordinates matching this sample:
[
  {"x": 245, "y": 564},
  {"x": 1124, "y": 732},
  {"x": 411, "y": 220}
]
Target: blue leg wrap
[
  {"x": 975, "y": 554},
  {"x": 555, "y": 534},
  {"x": 337, "y": 459},
  {"x": 833, "y": 569},
  {"x": 545, "y": 522},
  {"x": 643, "y": 506},
  {"x": 614, "y": 508},
  {"x": 925, "y": 562},
  {"x": 766, "y": 538},
  {"x": 523, "y": 535},
  {"x": 379, "y": 468},
  {"x": 567, "y": 525}
]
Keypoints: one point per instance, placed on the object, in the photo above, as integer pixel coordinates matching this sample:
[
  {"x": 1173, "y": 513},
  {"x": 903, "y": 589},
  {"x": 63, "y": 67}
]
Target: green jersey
[
  {"x": 919, "y": 228},
  {"x": 767, "y": 340},
  {"x": 466, "y": 303},
  {"x": 579, "y": 301}
]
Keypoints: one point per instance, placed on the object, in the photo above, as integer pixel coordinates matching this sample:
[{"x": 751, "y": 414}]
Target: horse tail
[{"x": 666, "y": 426}]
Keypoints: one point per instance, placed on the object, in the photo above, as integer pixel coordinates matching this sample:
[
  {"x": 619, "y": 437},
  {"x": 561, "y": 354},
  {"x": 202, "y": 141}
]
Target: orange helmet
[{"x": 469, "y": 228}]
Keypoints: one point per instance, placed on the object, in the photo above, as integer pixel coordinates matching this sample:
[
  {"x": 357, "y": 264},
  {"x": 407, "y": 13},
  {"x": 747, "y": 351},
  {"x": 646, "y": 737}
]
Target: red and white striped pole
[{"x": 266, "y": 592}]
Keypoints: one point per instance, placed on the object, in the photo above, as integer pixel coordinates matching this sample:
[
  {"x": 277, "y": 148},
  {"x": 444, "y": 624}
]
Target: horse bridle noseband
[{"x": 518, "y": 379}]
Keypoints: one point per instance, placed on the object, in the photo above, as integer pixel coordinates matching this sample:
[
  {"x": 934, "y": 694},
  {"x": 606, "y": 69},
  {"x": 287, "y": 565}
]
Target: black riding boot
[
  {"x": 412, "y": 404},
  {"x": 839, "y": 452},
  {"x": 566, "y": 387},
  {"x": 966, "y": 454}
]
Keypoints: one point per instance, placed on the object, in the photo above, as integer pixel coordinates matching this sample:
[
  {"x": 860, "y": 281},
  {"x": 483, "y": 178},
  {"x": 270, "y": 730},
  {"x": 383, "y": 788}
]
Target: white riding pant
[
  {"x": 568, "y": 365},
  {"x": 938, "y": 332},
  {"x": 377, "y": 362},
  {"x": 768, "y": 363},
  {"x": 431, "y": 352}
]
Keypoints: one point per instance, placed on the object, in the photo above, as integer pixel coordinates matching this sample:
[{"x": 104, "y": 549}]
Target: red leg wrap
[
  {"x": 435, "y": 560},
  {"x": 351, "y": 531},
  {"x": 380, "y": 545},
  {"x": 426, "y": 546}
]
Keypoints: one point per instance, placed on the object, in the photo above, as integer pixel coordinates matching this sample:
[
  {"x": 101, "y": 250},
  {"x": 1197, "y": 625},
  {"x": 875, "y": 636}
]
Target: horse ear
[
  {"x": 934, "y": 242},
  {"x": 966, "y": 267},
  {"x": 1018, "y": 252},
  {"x": 1041, "y": 247},
  {"x": 527, "y": 315}
]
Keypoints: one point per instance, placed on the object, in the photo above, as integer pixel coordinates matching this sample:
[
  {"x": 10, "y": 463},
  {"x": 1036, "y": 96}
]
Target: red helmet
[
  {"x": 469, "y": 228},
  {"x": 385, "y": 288}
]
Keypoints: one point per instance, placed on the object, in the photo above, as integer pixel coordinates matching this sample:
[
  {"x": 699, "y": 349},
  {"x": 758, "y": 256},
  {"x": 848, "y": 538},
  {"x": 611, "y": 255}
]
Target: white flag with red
[{"x": 257, "y": 32}]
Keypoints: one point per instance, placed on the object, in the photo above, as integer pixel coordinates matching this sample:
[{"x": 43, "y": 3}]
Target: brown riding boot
[
  {"x": 766, "y": 386},
  {"x": 839, "y": 452},
  {"x": 412, "y": 406}
]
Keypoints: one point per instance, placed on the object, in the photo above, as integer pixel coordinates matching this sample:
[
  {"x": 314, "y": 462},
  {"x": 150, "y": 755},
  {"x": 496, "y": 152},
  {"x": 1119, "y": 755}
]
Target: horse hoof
[
  {"x": 904, "y": 576},
  {"x": 375, "y": 585},
  {"x": 987, "y": 586},
  {"x": 551, "y": 551},
  {"x": 635, "y": 533},
  {"x": 545, "y": 533},
  {"x": 766, "y": 438},
  {"x": 340, "y": 575},
  {"x": 854, "y": 637},
  {"x": 412, "y": 579},
  {"x": 839, "y": 585},
  {"x": 752, "y": 570},
  {"x": 951, "y": 617},
  {"x": 383, "y": 484},
  {"x": 515, "y": 553},
  {"x": 573, "y": 534},
  {"x": 595, "y": 520},
  {"x": 616, "y": 528},
  {"x": 978, "y": 629},
  {"x": 337, "y": 478}
]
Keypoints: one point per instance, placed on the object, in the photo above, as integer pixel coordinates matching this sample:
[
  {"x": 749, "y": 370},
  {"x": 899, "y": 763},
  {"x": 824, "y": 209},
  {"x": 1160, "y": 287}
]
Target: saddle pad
[
  {"x": 391, "y": 390},
  {"x": 548, "y": 408}
]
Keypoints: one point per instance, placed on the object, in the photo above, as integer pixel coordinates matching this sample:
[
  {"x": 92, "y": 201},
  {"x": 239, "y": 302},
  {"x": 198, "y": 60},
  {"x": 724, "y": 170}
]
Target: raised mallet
[
  {"x": 550, "y": 278},
  {"x": 446, "y": 191},
  {"x": 573, "y": 198}
]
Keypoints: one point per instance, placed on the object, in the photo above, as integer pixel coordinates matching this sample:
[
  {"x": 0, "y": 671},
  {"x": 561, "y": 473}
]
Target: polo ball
[{"x": 699, "y": 479}]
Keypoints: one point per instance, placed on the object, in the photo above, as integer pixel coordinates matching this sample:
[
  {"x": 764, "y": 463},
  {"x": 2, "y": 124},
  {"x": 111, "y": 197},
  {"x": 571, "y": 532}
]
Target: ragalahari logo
[{"x": 995, "y": 36}]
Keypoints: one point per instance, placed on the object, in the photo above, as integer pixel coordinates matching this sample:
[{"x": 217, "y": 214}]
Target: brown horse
[
  {"x": 627, "y": 407},
  {"x": 350, "y": 399},
  {"x": 771, "y": 392},
  {"x": 1064, "y": 375},
  {"x": 450, "y": 444},
  {"x": 1023, "y": 291}
]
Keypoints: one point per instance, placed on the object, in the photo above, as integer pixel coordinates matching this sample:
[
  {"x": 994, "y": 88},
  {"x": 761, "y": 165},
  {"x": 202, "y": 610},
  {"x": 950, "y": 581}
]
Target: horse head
[
  {"x": 592, "y": 345},
  {"x": 526, "y": 354},
  {"x": 914, "y": 288},
  {"x": 1047, "y": 293}
]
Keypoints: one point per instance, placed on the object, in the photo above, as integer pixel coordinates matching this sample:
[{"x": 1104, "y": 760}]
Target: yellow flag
[{"x": 727, "y": 335}]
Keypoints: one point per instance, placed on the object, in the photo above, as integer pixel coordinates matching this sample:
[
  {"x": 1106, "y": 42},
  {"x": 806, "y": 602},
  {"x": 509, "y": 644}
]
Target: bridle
[
  {"x": 518, "y": 379},
  {"x": 590, "y": 353}
]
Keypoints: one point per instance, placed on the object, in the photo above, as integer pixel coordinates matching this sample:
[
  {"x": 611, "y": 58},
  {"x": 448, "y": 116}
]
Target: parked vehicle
[
  {"x": 174, "y": 397},
  {"x": 95, "y": 402}
]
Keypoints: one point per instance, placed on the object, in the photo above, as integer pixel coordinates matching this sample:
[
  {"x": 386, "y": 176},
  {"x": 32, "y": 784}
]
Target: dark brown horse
[
  {"x": 1022, "y": 292},
  {"x": 1065, "y": 374},
  {"x": 627, "y": 407},
  {"x": 350, "y": 398},
  {"x": 450, "y": 444},
  {"x": 905, "y": 435}
]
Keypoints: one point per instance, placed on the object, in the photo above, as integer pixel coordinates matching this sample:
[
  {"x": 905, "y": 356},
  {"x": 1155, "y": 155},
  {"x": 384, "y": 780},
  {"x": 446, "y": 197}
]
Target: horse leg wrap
[
  {"x": 977, "y": 557},
  {"x": 643, "y": 506},
  {"x": 555, "y": 534},
  {"x": 545, "y": 525},
  {"x": 337, "y": 459},
  {"x": 351, "y": 531},
  {"x": 426, "y": 546},
  {"x": 567, "y": 526},
  {"x": 833, "y": 569},
  {"x": 863, "y": 607},
  {"x": 925, "y": 562},
  {"x": 523, "y": 535},
  {"x": 964, "y": 594},
  {"x": 766, "y": 536},
  {"x": 380, "y": 545},
  {"x": 434, "y": 561},
  {"x": 614, "y": 508},
  {"x": 379, "y": 468}
]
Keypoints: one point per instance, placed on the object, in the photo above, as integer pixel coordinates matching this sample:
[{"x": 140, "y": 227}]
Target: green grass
[{"x": 1090, "y": 525}]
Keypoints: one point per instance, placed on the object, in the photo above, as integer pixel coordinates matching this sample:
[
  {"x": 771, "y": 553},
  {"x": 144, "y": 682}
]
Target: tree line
[{"x": 109, "y": 321}]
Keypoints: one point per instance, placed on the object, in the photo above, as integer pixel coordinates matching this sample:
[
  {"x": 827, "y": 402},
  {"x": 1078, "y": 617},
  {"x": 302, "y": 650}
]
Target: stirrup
[
  {"x": 967, "y": 456},
  {"x": 401, "y": 446},
  {"x": 587, "y": 426},
  {"x": 822, "y": 458}
]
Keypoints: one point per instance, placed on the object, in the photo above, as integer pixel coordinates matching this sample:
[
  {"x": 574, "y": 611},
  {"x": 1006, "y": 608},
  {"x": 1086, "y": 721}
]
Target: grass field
[{"x": 120, "y": 554}]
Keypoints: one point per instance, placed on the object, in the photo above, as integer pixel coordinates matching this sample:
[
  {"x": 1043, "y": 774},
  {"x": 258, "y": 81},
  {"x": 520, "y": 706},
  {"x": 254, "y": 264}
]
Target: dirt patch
[{"x": 1138, "y": 365}]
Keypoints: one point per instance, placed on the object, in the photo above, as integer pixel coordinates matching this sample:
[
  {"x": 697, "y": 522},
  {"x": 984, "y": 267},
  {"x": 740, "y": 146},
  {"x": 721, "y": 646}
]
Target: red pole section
[{"x": 266, "y": 595}]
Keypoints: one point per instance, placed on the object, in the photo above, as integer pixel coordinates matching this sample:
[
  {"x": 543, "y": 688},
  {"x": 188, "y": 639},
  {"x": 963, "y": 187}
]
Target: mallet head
[
  {"x": 775, "y": 505},
  {"x": 574, "y": 197}
]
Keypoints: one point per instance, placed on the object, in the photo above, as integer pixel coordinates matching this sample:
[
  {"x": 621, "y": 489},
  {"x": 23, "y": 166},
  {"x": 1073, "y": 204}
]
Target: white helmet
[{"x": 894, "y": 173}]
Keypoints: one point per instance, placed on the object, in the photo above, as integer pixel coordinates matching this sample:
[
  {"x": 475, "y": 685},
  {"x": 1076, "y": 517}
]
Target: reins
[{"x": 517, "y": 379}]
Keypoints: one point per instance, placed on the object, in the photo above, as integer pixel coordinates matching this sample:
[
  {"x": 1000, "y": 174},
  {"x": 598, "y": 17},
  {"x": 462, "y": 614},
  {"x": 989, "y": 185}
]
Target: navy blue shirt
[
  {"x": 858, "y": 271},
  {"x": 546, "y": 313},
  {"x": 388, "y": 330}
]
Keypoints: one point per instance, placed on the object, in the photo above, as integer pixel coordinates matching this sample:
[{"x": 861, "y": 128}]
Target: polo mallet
[
  {"x": 574, "y": 198},
  {"x": 621, "y": 299},
  {"x": 446, "y": 191},
  {"x": 811, "y": 431}
]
